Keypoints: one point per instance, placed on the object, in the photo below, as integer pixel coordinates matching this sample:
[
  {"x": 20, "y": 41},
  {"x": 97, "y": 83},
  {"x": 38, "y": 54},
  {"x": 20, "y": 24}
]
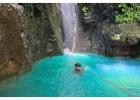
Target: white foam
[{"x": 67, "y": 50}]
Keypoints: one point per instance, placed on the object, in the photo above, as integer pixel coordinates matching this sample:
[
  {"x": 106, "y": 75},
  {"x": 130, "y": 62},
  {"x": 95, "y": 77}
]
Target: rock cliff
[
  {"x": 28, "y": 32},
  {"x": 99, "y": 33}
]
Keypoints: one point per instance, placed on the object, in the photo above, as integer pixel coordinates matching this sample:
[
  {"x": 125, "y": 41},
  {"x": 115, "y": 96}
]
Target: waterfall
[{"x": 69, "y": 19}]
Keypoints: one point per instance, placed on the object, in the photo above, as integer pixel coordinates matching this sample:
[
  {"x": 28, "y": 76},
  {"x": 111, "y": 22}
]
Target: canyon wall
[
  {"x": 95, "y": 33},
  {"x": 28, "y": 32}
]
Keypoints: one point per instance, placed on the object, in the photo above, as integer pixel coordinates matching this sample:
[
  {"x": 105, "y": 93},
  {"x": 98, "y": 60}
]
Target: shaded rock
[
  {"x": 24, "y": 36},
  {"x": 97, "y": 36}
]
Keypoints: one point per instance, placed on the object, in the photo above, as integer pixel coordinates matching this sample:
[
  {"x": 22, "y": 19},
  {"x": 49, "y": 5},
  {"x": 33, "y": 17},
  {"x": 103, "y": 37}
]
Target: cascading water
[{"x": 69, "y": 24}]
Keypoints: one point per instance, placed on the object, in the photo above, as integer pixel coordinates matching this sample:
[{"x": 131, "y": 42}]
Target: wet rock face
[
  {"x": 12, "y": 51},
  {"x": 27, "y": 33},
  {"x": 43, "y": 34},
  {"x": 96, "y": 35}
]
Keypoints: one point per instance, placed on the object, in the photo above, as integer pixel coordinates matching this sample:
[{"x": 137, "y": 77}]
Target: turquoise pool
[{"x": 55, "y": 76}]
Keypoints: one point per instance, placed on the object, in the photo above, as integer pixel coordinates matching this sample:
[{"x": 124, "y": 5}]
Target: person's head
[{"x": 78, "y": 65}]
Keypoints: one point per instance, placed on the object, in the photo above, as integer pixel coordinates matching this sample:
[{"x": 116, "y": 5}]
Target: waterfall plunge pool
[{"x": 55, "y": 76}]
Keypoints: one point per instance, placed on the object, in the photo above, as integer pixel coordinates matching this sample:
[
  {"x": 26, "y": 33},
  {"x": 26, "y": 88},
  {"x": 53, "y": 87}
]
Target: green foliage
[
  {"x": 85, "y": 10},
  {"x": 127, "y": 13}
]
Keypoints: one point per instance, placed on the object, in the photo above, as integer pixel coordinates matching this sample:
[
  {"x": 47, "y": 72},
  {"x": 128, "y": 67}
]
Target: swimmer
[{"x": 78, "y": 67}]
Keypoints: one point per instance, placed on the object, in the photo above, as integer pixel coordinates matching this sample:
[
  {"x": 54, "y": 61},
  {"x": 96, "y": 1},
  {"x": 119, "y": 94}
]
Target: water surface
[{"x": 55, "y": 76}]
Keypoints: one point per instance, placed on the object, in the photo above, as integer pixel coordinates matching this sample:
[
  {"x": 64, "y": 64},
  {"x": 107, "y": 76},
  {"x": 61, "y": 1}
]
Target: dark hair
[{"x": 77, "y": 64}]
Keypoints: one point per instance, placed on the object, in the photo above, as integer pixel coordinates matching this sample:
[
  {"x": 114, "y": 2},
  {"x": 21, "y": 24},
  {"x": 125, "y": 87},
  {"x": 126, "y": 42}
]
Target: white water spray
[{"x": 69, "y": 19}]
